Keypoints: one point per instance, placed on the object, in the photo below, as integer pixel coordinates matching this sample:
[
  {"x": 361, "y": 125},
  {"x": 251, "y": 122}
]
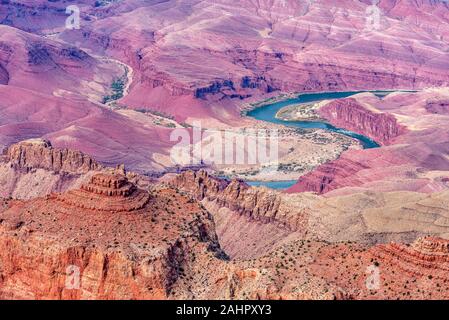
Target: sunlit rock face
[
  {"x": 215, "y": 49},
  {"x": 192, "y": 235},
  {"x": 412, "y": 130},
  {"x": 199, "y": 60}
]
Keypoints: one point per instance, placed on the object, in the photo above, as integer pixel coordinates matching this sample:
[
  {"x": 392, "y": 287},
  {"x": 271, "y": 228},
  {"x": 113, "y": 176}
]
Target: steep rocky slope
[
  {"x": 412, "y": 129},
  {"x": 34, "y": 168},
  {"x": 250, "y": 221},
  {"x": 349, "y": 114},
  {"x": 125, "y": 242},
  {"x": 268, "y": 46},
  {"x": 39, "y": 154}
]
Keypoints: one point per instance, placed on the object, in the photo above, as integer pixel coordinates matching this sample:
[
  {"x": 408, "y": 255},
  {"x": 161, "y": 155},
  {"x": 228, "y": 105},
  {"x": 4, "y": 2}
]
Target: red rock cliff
[
  {"x": 350, "y": 115},
  {"x": 38, "y": 153},
  {"x": 122, "y": 243},
  {"x": 257, "y": 204}
]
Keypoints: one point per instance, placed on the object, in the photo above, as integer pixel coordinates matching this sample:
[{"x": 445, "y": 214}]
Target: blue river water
[
  {"x": 279, "y": 185},
  {"x": 268, "y": 113}
]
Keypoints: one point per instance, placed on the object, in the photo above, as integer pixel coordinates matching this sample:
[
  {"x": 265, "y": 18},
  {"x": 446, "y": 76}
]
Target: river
[{"x": 268, "y": 113}]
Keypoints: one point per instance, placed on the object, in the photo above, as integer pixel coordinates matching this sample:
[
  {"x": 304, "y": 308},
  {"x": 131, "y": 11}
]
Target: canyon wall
[
  {"x": 349, "y": 114},
  {"x": 118, "y": 245},
  {"x": 257, "y": 204},
  {"x": 249, "y": 221},
  {"x": 412, "y": 131},
  {"x": 34, "y": 168}
]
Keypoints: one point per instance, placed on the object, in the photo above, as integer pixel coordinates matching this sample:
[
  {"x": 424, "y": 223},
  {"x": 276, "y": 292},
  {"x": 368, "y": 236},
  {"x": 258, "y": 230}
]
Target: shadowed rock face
[
  {"x": 4, "y": 75},
  {"x": 438, "y": 107},
  {"x": 249, "y": 221}
]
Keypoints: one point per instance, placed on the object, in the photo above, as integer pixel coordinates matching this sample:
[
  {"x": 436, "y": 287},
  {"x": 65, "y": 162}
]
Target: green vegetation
[{"x": 117, "y": 87}]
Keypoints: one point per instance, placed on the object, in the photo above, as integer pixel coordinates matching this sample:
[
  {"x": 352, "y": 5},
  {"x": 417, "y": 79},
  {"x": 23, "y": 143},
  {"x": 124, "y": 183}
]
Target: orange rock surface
[{"x": 126, "y": 242}]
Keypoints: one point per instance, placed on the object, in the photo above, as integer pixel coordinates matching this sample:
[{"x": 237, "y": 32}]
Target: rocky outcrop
[
  {"x": 350, "y": 115},
  {"x": 224, "y": 87},
  {"x": 104, "y": 245},
  {"x": 329, "y": 176},
  {"x": 39, "y": 154},
  {"x": 428, "y": 256},
  {"x": 34, "y": 168},
  {"x": 258, "y": 204},
  {"x": 106, "y": 192}
]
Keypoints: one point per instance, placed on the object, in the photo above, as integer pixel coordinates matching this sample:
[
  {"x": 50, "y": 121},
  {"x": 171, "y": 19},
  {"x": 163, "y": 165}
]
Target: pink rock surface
[
  {"x": 414, "y": 155},
  {"x": 199, "y": 59},
  {"x": 226, "y": 48},
  {"x": 348, "y": 114}
]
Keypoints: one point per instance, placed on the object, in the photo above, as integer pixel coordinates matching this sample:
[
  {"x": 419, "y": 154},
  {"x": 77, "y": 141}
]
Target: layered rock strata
[
  {"x": 258, "y": 204},
  {"x": 34, "y": 168},
  {"x": 390, "y": 271},
  {"x": 122, "y": 242},
  {"x": 350, "y": 115}
]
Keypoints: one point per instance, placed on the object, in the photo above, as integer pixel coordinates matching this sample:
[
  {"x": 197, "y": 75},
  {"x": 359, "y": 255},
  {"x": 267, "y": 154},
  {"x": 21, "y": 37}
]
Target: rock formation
[
  {"x": 249, "y": 221},
  {"x": 416, "y": 271},
  {"x": 34, "y": 168},
  {"x": 426, "y": 257},
  {"x": 39, "y": 154},
  {"x": 350, "y": 115},
  {"x": 412, "y": 130},
  {"x": 128, "y": 243},
  {"x": 123, "y": 242},
  {"x": 107, "y": 193},
  {"x": 261, "y": 205}
]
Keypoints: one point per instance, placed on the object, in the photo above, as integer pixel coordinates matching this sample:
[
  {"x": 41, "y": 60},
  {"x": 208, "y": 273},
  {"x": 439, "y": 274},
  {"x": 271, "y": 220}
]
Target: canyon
[
  {"x": 413, "y": 156},
  {"x": 92, "y": 205},
  {"x": 194, "y": 236}
]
